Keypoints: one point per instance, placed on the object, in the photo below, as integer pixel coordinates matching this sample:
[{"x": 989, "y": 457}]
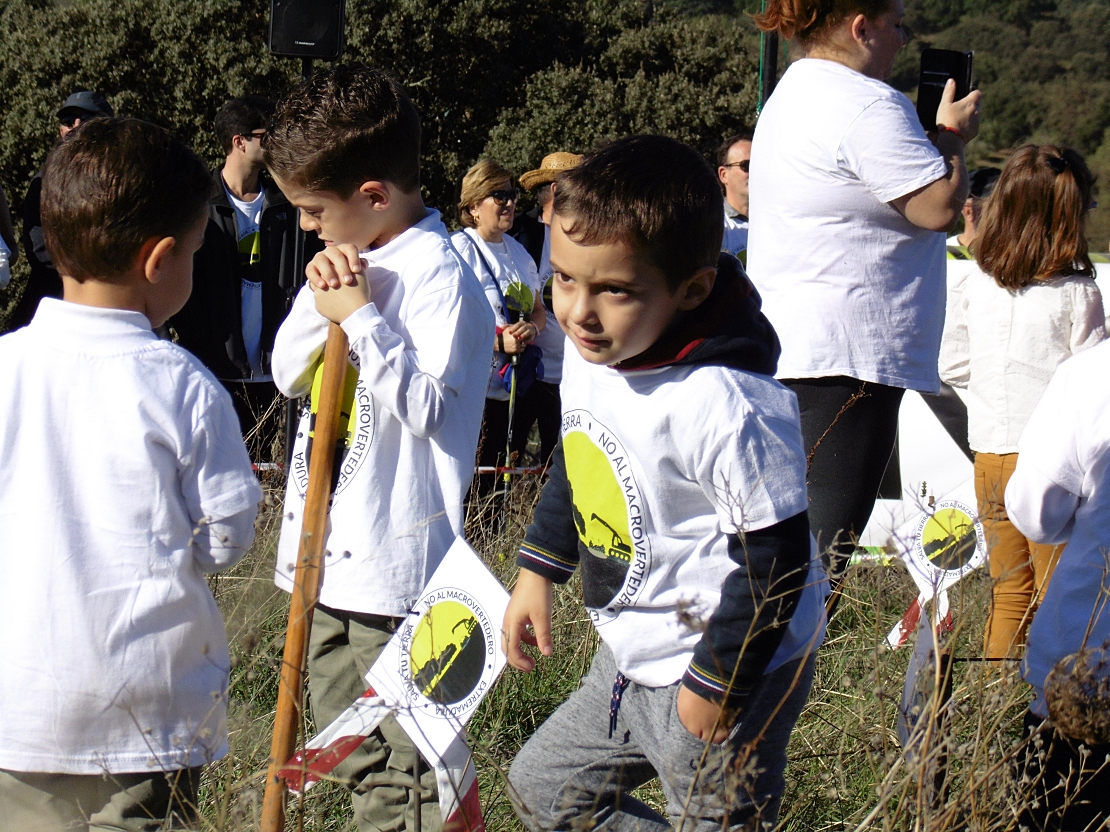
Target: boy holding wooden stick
[
  {"x": 345, "y": 149},
  {"x": 678, "y": 488},
  {"x": 125, "y": 481}
]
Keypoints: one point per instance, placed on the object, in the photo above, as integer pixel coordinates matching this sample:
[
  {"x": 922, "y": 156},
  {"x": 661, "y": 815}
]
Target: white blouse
[{"x": 1003, "y": 346}]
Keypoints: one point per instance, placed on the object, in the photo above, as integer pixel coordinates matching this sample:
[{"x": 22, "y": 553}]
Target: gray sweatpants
[{"x": 571, "y": 775}]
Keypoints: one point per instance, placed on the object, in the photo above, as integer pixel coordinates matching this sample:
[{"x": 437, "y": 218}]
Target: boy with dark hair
[
  {"x": 247, "y": 117},
  {"x": 345, "y": 148},
  {"x": 125, "y": 482},
  {"x": 244, "y": 274},
  {"x": 679, "y": 489}
]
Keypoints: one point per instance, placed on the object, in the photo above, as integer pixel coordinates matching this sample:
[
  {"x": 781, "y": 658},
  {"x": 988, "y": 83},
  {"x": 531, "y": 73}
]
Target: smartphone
[{"x": 937, "y": 66}]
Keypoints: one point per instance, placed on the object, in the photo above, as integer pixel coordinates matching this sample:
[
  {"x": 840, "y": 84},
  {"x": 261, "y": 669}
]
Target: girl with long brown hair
[
  {"x": 1033, "y": 305},
  {"x": 847, "y": 196}
]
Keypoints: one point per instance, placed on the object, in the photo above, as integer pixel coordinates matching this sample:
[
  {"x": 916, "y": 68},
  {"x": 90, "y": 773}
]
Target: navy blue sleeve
[
  {"x": 550, "y": 546},
  {"x": 758, "y": 599}
]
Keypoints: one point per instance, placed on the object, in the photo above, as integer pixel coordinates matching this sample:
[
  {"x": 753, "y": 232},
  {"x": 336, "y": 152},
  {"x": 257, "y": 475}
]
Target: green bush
[{"x": 690, "y": 78}]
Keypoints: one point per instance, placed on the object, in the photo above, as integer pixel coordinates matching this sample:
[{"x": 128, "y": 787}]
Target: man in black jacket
[{"x": 243, "y": 275}]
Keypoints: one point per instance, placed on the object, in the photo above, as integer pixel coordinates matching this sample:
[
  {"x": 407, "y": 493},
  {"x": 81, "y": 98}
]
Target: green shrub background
[{"x": 519, "y": 78}]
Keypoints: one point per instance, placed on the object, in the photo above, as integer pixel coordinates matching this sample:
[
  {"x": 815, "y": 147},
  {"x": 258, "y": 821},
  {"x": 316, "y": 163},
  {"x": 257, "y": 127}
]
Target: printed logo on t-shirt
[
  {"x": 519, "y": 300},
  {"x": 250, "y": 249},
  {"x": 609, "y": 514},
  {"x": 356, "y": 430}
]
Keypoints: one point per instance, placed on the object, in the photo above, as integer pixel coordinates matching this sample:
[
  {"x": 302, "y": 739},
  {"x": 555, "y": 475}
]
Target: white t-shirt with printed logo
[
  {"x": 852, "y": 287},
  {"x": 248, "y": 216},
  {"x": 662, "y": 466},
  {"x": 516, "y": 276}
]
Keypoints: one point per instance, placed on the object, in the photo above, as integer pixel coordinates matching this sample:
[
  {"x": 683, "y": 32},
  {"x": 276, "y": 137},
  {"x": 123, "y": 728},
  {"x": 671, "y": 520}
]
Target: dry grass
[{"x": 847, "y": 770}]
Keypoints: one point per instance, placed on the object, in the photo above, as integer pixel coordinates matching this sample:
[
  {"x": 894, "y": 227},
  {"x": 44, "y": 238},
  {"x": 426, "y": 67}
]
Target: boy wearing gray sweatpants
[{"x": 678, "y": 488}]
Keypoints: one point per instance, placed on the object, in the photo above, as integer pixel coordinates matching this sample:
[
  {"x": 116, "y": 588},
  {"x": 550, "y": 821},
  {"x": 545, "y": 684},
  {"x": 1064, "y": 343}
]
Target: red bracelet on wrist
[{"x": 942, "y": 129}]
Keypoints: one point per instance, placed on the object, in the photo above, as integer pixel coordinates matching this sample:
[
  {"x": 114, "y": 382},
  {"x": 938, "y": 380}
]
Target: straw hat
[{"x": 552, "y": 165}]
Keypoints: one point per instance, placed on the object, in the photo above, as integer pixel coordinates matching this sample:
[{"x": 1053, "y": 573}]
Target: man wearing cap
[
  {"x": 541, "y": 402},
  {"x": 44, "y": 280},
  {"x": 732, "y": 170}
]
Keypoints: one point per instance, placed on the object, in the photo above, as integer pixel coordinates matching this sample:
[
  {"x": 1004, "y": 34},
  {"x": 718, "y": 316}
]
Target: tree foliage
[
  {"x": 685, "y": 77},
  {"x": 1043, "y": 67},
  {"x": 467, "y": 64}
]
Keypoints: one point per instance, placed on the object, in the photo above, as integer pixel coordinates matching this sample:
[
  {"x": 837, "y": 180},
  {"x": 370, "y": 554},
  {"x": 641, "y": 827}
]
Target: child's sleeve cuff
[
  {"x": 709, "y": 686},
  {"x": 545, "y": 563}
]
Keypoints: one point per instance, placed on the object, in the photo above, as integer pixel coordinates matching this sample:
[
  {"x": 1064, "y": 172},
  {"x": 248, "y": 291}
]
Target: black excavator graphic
[
  {"x": 618, "y": 549},
  {"x": 430, "y": 679}
]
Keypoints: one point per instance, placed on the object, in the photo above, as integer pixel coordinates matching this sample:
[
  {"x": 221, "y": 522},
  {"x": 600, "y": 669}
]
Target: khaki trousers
[
  {"x": 34, "y": 802},
  {"x": 342, "y": 647},
  {"x": 1020, "y": 568}
]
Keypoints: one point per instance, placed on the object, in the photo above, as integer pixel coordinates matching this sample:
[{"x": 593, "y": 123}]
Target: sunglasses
[
  {"x": 504, "y": 195},
  {"x": 258, "y": 134},
  {"x": 69, "y": 121},
  {"x": 742, "y": 165}
]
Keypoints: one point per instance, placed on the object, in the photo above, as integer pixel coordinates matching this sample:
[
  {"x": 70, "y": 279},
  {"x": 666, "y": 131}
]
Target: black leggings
[
  {"x": 539, "y": 405},
  {"x": 849, "y": 428}
]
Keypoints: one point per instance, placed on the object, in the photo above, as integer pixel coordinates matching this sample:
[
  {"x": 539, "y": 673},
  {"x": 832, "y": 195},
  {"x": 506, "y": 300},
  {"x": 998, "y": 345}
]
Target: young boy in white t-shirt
[
  {"x": 345, "y": 149},
  {"x": 679, "y": 490},
  {"x": 125, "y": 481}
]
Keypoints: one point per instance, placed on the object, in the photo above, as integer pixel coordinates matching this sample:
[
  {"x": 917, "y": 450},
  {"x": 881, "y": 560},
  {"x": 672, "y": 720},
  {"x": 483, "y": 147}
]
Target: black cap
[
  {"x": 86, "y": 104},
  {"x": 982, "y": 181}
]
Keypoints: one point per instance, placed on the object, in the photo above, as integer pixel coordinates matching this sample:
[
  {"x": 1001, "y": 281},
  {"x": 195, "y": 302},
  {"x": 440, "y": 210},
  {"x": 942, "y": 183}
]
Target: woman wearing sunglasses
[{"x": 487, "y": 207}]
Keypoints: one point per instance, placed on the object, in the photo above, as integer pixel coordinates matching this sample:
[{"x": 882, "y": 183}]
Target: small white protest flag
[
  {"x": 939, "y": 546},
  {"x": 433, "y": 673}
]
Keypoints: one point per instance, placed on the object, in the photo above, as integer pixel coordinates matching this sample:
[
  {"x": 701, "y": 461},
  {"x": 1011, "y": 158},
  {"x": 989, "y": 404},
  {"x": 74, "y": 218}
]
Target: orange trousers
[{"x": 1020, "y": 568}]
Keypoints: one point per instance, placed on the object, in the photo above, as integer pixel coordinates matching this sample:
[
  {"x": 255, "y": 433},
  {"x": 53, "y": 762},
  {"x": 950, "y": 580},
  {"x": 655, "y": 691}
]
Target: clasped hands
[
  {"x": 515, "y": 337},
  {"x": 338, "y": 283}
]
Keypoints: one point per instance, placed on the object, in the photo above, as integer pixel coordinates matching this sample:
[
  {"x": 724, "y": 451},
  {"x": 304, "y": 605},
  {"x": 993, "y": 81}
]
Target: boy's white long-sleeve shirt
[
  {"x": 125, "y": 481},
  {"x": 421, "y": 349}
]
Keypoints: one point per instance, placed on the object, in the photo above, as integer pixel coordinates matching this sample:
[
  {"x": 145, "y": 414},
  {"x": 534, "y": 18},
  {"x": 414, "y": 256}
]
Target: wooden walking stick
[{"x": 308, "y": 576}]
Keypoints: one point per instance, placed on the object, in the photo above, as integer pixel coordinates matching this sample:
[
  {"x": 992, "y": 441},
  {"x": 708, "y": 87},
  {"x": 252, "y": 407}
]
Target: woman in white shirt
[
  {"x": 1033, "y": 305},
  {"x": 848, "y": 197},
  {"x": 487, "y": 206}
]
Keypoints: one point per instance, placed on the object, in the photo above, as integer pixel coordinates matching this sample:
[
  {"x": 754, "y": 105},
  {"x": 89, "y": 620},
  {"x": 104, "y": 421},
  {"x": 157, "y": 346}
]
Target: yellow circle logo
[{"x": 447, "y": 653}]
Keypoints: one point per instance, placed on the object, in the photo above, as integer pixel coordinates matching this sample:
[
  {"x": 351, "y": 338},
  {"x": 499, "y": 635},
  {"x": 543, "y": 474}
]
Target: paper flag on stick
[
  {"x": 939, "y": 546},
  {"x": 432, "y": 674}
]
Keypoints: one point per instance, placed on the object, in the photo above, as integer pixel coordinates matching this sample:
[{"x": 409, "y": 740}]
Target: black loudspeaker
[{"x": 307, "y": 28}]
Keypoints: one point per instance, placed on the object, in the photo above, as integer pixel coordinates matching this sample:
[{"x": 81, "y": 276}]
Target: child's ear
[
  {"x": 377, "y": 192},
  {"x": 152, "y": 257},
  {"x": 696, "y": 288}
]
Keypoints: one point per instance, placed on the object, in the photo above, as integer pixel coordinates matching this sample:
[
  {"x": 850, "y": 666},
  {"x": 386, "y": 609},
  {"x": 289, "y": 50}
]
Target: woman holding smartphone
[{"x": 849, "y": 199}]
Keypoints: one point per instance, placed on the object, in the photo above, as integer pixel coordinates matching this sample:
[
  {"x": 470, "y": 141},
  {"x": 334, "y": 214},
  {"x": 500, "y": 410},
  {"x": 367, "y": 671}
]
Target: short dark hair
[
  {"x": 241, "y": 117},
  {"x": 726, "y": 145},
  {"x": 113, "y": 184},
  {"x": 653, "y": 193},
  {"x": 347, "y": 125}
]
